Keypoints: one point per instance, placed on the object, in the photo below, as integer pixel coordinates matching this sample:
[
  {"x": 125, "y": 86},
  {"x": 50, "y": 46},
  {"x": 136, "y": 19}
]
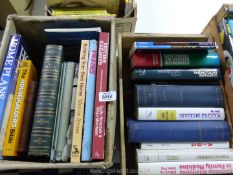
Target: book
[
  {"x": 150, "y": 45},
  {"x": 175, "y": 74},
  {"x": 90, "y": 100},
  {"x": 188, "y": 155},
  {"x": 27, "y": 73},
  {"x": 178, "y": 96},
  {"x": 175, "y": 60},
  {"x": 179, "y": 113},
  {"x": 195, "y": 167},
  {"x": 177, "y": 131},
  {"x": 185, "y": 145},
  {"x": 80, "y": 103},
  {"x": 45, "y": 110},
  {"x": 100, "y": 106}
]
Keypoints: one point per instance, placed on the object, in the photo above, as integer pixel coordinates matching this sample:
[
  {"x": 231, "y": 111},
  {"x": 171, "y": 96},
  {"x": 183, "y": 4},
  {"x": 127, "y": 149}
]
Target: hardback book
[
  {"x": 100, "y": 106},
  {"x": 177, "y": 131},
  {"x": 178, "y": 96},
  {"x": 176, "y": 74},
  {"x": 150, "y": 45},
  {"x": 175, "y": 60},
  {"x": 27, "y": 74},
  {"x": 64, "y": 108},
  {"x": 80, "y": 103},
  {"x": 195, "y": 167},
  {"x": 90, "y": 100},
  {"x": 179, "y": 113},
  {"x": 187, "y": 155},
  {"x": 184, "y": 145},
  {"x": 45, "y": 110}
]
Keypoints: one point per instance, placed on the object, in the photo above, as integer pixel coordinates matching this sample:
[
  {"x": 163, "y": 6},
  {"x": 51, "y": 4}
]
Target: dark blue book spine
[
  {"x": 175, "y": 74},
  {"x": 178, "y": 96},
  {"x": 192, "y": 131}
]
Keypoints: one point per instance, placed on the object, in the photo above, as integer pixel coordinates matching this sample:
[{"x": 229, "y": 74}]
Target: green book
[{"x": 45, "y": 110}]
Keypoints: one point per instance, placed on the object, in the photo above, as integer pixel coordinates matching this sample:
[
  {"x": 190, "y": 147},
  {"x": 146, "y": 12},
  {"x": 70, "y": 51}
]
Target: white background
[{"x": 175, "y": 16}]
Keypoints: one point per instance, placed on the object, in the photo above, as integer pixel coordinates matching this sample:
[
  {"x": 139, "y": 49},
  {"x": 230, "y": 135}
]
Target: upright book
[
  {"x": 45, "y": 110},
  {"x": 100, "y": 106}
]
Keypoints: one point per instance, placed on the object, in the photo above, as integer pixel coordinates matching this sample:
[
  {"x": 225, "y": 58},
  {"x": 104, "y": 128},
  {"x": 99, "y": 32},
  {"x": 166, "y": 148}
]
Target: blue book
[
  {"x": 16, "y": 51},
  {"x": 90, "y": 99},
  {"x": 178, "y": 96},
  {"x": 179, "y": 131},
  {"x": 175, "y": 74}
]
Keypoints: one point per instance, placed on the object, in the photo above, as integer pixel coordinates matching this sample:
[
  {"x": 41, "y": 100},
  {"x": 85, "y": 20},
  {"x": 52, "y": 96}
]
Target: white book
[
  {"x": 187, "y": 155},
  {"x": 186, "y": 145},
  {"x": 203, "y": 167},
  {"x": 162, "y": 113}
]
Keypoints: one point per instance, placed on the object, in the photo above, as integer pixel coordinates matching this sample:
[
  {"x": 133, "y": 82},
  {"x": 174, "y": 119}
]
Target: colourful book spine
[
  {"x": 163, "y": 113},
  {"x": 194, "y": 167},
  {"x": 177, "y": 131},
  {"x": 184, "y": 155},
  {"x": 100, "y": 106},
  {"x": 45, "y": 110},
  {"x": 175, "y": 74},
  {"x": 184, "y": 145},
  {"x": 27, "y": 73},
  {"x": 171, "y": 60},
  {"x": 90, "y": 99},
  {"x": 178, "y": 96},
  {"x": 80, "y": 103}
]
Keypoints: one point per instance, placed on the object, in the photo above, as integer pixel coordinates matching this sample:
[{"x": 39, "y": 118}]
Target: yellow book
[
  {"x": 80, "y": 103},
  {"x": 27, "y": 73}
]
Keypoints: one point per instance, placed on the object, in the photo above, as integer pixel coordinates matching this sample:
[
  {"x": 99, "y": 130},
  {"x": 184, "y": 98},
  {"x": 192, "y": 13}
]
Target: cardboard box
[
  {"x": 125, "y": 88},
  {"x": 32, "y": 29}
]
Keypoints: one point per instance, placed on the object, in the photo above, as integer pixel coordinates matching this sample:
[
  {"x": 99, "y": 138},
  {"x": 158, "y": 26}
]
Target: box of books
[
  {"x": 58, "y": 93},
  {"x": 174, "y": 105}
]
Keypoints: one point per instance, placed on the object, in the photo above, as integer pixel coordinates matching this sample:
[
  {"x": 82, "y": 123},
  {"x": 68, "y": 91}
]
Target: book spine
[
  {"x": 175, "y": 74},
  {"x": 80, "y": 103},
  {"x": 65, "y": 109},
  {"x": 90, "y": 99},
  {"x": 173, "y": 96},
  {"x": 100, "y": 106},
  {"x": 45, "y": 110},
  {"x": 185, "y": 145},
  {"x": 184, "y": 155},
  {"x": 11, "y": 142},
  {"x": 163, "y": 113},
  {"x": 195, "y": 167},
  {"x": 177, "y": 131},
  {"x": 166, "y": 60}
]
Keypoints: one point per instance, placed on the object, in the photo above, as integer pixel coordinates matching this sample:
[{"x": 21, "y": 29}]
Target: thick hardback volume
[
  {"x": 45, "y": 110},
  {"x": 90, "y": 100},
  {"x": 80, "y": 103},
  {"x": 27, "y": 73},
  {"x": 177, "y": 131},
  {"x": 178, "y": 96},
  {"x": 150, "y": 45},
  {"x": 27, "y": 118},
  {"x": 175, "y": 74},
  {"x": 179, "y": 113},
  {"x": 186, "y": 145},
  {"x": 65, "y": 101},
  {"x": 100, "y": 106},
  {"x": 187, "y": 155},
  {"x": 174, "y": 60},
  {"x": 196, "y": 167}
]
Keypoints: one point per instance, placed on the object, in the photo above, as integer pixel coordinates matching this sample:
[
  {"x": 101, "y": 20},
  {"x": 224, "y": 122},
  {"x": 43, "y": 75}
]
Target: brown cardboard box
[
  {"x": 125, "y": 43},
  {"x": 32, "y": 29}
]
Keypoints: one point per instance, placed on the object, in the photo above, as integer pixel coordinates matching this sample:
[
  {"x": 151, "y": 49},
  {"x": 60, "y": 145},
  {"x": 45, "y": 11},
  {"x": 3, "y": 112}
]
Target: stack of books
[
  {"x": 179, "y": 121},
  {"x": 55, "y": 113}
]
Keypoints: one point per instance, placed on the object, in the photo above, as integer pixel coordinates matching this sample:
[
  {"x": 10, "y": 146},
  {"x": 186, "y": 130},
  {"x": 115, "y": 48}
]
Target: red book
[
  {"x": 146, "y": 60},
  {"x": 100, "y": 107}
]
